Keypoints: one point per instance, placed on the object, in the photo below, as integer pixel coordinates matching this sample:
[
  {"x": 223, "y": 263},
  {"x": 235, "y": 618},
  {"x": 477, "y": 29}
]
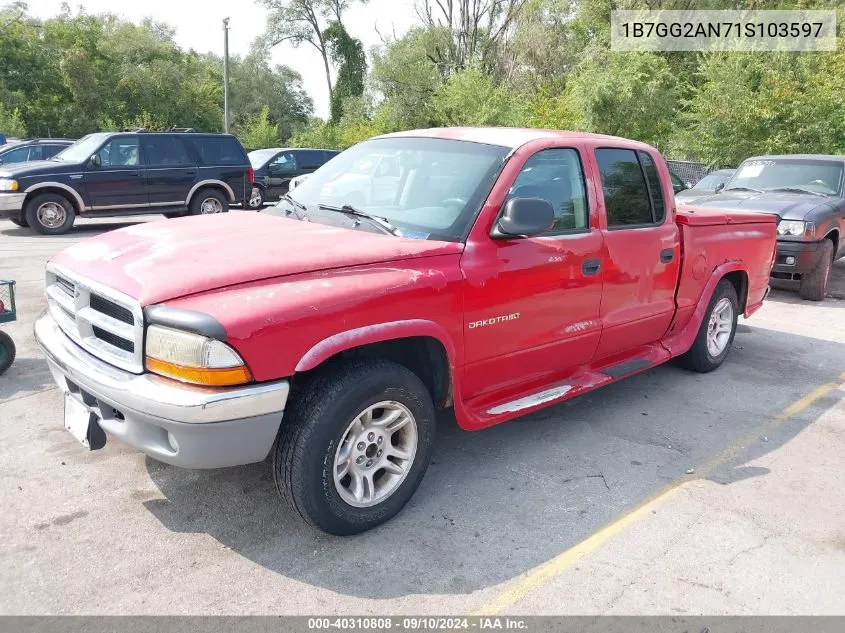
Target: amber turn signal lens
[{"x": 224, "y": 377}]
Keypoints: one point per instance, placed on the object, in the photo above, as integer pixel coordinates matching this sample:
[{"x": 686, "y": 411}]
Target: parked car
[
  {"x": 678, "y": 185},
  {"x": 712, "y": 183},
  {"x": 274, "y": 169},
  {"x": 492, "y": 280},
  {"x": 114, "y": 174},
  {"x": 32, "y": 149},
  {"x": 807, "y": 193}
]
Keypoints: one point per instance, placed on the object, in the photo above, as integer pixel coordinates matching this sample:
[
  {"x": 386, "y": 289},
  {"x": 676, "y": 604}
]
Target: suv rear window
[{"x": 219, "y": 150}]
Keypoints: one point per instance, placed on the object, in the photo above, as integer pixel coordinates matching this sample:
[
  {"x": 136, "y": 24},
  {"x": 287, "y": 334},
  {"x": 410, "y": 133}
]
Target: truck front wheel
[
  {"x": 814, "y": 284},
  {"x": 717, "y": 331},
  {"x": 354, "y": 445}
]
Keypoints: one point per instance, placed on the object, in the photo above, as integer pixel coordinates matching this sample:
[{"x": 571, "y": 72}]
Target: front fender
[{"x": 375, "y": 333}]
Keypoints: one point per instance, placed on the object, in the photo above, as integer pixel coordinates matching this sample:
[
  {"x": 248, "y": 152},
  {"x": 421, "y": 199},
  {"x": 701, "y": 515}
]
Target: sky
[{"x": 198, "y": 25}]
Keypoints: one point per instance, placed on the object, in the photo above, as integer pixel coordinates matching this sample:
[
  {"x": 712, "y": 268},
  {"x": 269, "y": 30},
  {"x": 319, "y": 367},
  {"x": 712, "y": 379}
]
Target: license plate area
[{"x": 83, "y": 424}]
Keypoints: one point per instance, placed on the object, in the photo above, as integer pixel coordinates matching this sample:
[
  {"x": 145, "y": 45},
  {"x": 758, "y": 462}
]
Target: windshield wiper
[
  {"x": 379, "y": 221},
  {"x": 297, "y": 207},
  {"x": 797, "y": 190},
  {"x": 742, "y": 189}
]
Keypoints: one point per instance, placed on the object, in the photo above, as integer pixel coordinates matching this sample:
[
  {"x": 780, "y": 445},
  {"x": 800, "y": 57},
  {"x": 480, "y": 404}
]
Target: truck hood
[
  {"x": 787, "y": 206},
  {"x": 159, "y": 261},
  {"x": 36, "y": 168}
]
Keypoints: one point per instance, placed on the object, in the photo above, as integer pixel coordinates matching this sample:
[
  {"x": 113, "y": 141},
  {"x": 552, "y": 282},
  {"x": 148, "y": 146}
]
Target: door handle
[
  {"x": 134, "y": 174},
  {"x": 191, "y": 173},
  {"x": 591, "y": 266},
  {"x": 667, "y": 255}
]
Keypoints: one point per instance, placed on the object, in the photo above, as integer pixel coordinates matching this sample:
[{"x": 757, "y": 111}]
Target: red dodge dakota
[{"x": 495, "y": 271}]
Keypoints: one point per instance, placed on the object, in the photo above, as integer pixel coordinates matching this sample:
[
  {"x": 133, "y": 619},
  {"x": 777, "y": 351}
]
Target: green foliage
[
  {"x": 11, "y": 123},
  {"x": 348, "y": 53},
  {"x": 259, "y": 132},
  {"x": 473, "y": 98},
  {"x": 75, "y": 74}
]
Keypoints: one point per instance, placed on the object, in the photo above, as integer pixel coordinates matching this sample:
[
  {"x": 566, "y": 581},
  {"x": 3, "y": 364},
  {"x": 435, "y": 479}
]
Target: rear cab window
[{"x": 632, "y": 189}]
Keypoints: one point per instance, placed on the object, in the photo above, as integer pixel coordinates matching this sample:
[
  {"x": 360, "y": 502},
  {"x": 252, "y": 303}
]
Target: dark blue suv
[{"x": 127, "y": 173}]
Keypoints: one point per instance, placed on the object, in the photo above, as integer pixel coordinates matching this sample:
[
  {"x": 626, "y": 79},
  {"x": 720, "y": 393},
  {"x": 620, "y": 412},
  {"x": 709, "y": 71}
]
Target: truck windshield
[
  {"x": 427, "y": 188},
  {"x": 811, "y": 175},
  {"x": 83, "y": 149}
]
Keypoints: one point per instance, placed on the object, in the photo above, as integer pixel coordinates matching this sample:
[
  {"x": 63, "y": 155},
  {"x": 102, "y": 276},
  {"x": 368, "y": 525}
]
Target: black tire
[
  {"x": 814, "y": 284},
  {"x": 256, "y": 199},
  {"x": 175, "y": 214},
  {"x": 699, "y": 358},
  {"x": 204, "y": 195},
  {"x": 65, "y": 221},
  {"x": 315, "y": 425},
  {"x": 7, "y": 352},
  {"x": 21, "y": 223}
]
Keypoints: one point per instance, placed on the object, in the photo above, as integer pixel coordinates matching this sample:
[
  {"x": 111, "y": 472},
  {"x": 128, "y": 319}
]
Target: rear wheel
[
  {"x": 209, "y": 201},
  {"x": 814, "y": 284},
  {"x": 716, "y": 334},
  {"x": 7, "y": 352},
  {"x": 355, "y": 445},
  {"x": 50, "y": 214}
]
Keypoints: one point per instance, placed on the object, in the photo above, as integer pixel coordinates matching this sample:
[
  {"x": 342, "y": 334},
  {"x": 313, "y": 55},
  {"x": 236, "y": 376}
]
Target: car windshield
[
  {"x": 816, "y": 176},
  {"x": 427, "y": 188},
  {"x": 259, "y": 157},
  {"x": 83, "y": 149},
  {"x": 711, "y": 181}
]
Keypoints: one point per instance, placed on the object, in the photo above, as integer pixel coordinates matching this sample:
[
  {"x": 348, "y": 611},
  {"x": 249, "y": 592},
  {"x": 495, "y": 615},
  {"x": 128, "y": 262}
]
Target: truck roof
[{"x": 513, "y": 138}]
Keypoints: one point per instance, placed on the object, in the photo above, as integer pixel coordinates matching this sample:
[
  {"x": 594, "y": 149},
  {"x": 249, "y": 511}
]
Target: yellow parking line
[{"x": 542, "y": 574}]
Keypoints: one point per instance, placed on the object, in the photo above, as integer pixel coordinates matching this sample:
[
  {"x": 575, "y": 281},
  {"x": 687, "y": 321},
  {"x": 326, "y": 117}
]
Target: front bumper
[
  {"x": 180, "y": 424},
  {"x": 806, "y": 256},
  {"x": 11, "y": 205}
]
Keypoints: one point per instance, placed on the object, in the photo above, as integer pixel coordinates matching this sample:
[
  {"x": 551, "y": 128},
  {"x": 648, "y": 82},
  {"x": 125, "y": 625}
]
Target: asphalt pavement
[{"x": 667, "y": 493}]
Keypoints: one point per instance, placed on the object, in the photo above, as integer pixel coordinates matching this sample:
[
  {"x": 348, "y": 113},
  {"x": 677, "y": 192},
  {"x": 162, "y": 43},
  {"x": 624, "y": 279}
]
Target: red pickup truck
[{"x": 495, "y": 271}]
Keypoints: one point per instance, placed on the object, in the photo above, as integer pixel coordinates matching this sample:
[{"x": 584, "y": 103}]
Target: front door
[
  {"x": 117, "y": 181},
  {"x": 279, "y": 172},
  {"x": 532, "y": 304},
  {"x": 642, "y": 251},
  {"x": 171, "y": 171}
]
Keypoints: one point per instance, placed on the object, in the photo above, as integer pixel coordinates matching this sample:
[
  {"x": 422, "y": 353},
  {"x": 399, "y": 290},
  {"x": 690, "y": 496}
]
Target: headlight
[
  {"x": 7, "y": 184},
  {"x": 193, "y": 358},
  {"x": 792, "y": 228}
]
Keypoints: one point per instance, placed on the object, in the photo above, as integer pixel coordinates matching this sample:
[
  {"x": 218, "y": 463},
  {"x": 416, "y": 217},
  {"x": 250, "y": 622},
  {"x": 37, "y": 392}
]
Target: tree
[
  {"x": 348, "y": 53},
  {"x": 11, "y": 123},
  {"x": 258, "y": 132},
  {"x": 305, "y": 21}
]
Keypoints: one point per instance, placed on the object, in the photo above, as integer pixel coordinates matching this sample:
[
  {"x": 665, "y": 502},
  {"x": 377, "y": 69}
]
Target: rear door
[
  {"x": 118, "y": 182},
  {"x": 642, "y": 249},
  {"x": 532, "y": 304},
  {"x": 171, "y": 171}
]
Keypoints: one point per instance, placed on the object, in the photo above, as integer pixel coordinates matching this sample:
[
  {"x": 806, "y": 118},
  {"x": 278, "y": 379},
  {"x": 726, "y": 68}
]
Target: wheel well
[
  {"x": 833, "y": 236},
  {"x": 739, "y": 279},
  {"x": 61, "y": 192},
  {"x": 423, "y": 355},
  {"x": 216, "y": 188}
]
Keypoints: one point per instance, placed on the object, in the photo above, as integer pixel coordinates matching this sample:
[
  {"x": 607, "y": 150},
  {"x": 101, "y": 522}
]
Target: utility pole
[{"x": 226, "y": 75}]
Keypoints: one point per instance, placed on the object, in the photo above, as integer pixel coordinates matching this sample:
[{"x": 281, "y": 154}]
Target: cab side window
[
  {"x": 633, "y": 194},
  {"x": 284, "y": 163},
  {"x": 120, "y": 152},
  {"x": 165, "y": 151},
  {"x": 555, "y": 175}
]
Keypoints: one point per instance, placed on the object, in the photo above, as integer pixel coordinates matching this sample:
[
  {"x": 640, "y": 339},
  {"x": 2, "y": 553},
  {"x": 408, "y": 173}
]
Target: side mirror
[
  {"x": 95, "y": 161},
  {"x": 524, "y": 217},
  {"x": 719, "y": 187}
]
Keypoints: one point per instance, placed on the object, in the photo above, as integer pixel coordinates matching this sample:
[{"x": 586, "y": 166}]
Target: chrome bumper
[
  {"x": 11, "y": 204},
  {"x": 184, "y": 425}
]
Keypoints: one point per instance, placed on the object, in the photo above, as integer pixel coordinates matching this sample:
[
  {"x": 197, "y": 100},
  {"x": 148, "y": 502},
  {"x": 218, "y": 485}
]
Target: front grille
[
  {"x": 110, "y": 308},
  {"x": 104, "y": 322},
  {"x": 113, "y": 339}
]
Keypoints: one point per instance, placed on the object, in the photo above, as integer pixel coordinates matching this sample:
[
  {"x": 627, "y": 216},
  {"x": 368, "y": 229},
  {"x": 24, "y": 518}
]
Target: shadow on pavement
[
  {"x": 26, "y": 375},
  {"x": 499, "y": 502},
  {"x": 78, "y": 229}
]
